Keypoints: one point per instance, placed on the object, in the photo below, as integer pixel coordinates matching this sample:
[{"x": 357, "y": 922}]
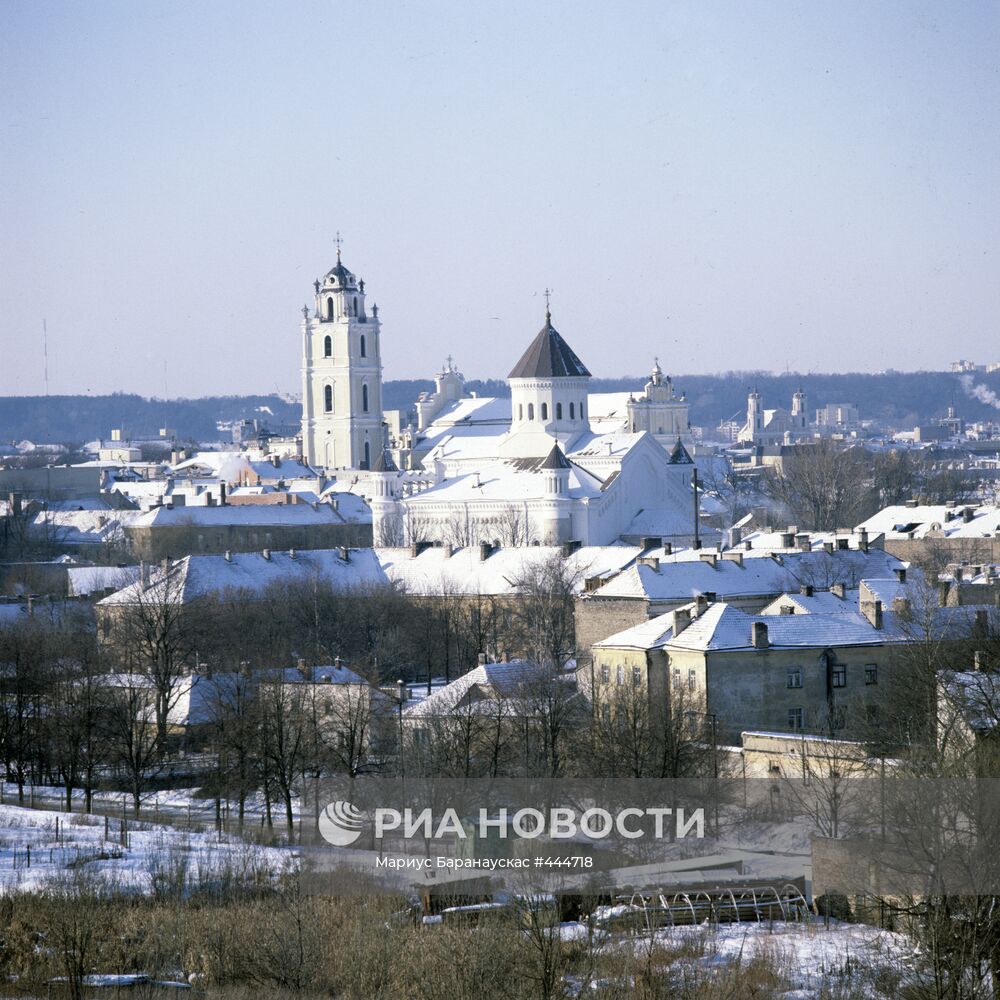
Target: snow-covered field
[{"x": 42, "y": 849}]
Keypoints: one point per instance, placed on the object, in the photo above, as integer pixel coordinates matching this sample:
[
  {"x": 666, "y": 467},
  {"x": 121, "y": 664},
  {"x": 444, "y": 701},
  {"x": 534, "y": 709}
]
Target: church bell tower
[{"x": 342, "y": 423}]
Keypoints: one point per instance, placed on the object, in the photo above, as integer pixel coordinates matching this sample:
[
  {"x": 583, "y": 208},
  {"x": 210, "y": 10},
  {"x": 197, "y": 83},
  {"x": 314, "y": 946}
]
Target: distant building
[{"x": 838, "y": 417}]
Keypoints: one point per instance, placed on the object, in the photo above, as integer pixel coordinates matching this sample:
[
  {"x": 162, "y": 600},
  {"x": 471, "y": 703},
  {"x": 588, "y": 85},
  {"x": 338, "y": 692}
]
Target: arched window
[
  {"x": 583, "y": 412},
  {"x": 328, "y": 398},
  {"x": 364, "y": 348},
  {"x": 558, "y": 411},
  {"x": 368, "y": 449},
  {"x": 364, "y": 400},
  {"x": 327, "y": 347},
  {"x": 572, "y": 407},
  {"x": 355, "y": 305},
  {"x": 520, "y": 411},
  {"x": 329, "y": 308},
  {"x": 545, "y": 411},
  {"x": 531, "y": 411}
]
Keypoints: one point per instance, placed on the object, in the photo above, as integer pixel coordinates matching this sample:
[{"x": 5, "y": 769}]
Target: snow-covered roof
[
  {"x": 517, "y": 479},
  {"x": 433, "y": 571},
  {"x": 85, "y": 580},
  {"x": 976, "y": 696},
  {"x": 253, "y": 514},
  {"x": 651, "y": 634},
  {"x": 250, "y": 572},
  {"x": 723, "y": 627},
  {"x": 496, "y": 680},
  {"x": 820, "y": 602},
  {"x": 944, "y": 520},
  {"x": 83, "y": 527},
  {"x": 688, "y": 572}
]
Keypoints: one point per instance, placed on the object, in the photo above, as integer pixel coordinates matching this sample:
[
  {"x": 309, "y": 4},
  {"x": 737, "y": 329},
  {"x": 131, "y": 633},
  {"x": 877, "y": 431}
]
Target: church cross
[{"x": 338, "y": 239}]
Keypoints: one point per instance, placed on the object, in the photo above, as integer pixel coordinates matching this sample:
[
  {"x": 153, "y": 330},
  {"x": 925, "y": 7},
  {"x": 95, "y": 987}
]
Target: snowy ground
[{"x": 34, "y": 855}]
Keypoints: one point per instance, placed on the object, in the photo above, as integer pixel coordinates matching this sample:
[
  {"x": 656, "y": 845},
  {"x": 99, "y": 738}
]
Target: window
[
  {"x": 368, "y": 455},
  {"x": 840, "y": 675},
  {"x": 545, "y": 411},
  {"x": 583, "y": 412},
  {"x": 327, "y": 347},
  {"x": 872, "y": 715},
  {"x": 773, "y": 767},
  {"x": 572, "y": 406},
  {"x": 364, "y": 347},
  {"x": 605, "y": 713},
  {"x": 636, "y": 676},
  {"x": 328, "y": 398},
  {"x": 329, "y": 308},
  {"x": 871, "y": 673},
  {"x": 837, "y": 718},
  {"x": 531, "y": 411},
  {"x": 520, "y": 411},
  {"x": 605, "y": 674},
  {"x": 558, "y": 411},
  {"x": 355, "y": 305},
  {"x": 795, "y": 718},
  {"x": 692, "y": 680},
  {"x": 364, "y": 398},
  {"x": 795, "y": 677},
  {"x": 677, "y": 677},
  {"x": 621, "y": 675}
]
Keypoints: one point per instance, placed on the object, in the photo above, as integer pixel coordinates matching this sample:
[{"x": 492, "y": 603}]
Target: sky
[{"x": 727, "y": 186}]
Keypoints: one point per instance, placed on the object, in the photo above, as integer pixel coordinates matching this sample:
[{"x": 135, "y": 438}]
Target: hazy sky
[{"x": 749, "y": 185}]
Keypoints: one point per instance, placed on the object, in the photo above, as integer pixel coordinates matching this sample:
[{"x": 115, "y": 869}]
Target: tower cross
[
  {"x": 338, "y": 239},
  {"x": 548, "y": 295}
]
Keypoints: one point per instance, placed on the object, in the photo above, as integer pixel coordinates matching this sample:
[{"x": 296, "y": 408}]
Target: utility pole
[{"x": 694, "y": 480}]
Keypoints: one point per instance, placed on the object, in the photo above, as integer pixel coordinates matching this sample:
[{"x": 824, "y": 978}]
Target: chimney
[
  {"x": 806, "y": 590},
  {"x": 682, "y": 618},
  {"x": 291, "y": 553},
  {"x": 863, "y": 539},
  {"x": 266, "y": 553},
  {"x": 484, "y": 551},
  {"x": 144, "y": 574},
  {"x": 345, "y": 555},
  {"x": 651, "y": 561},
  {"x": 843, "y": 544},
  {"x": 448, "y": 550},
  {"x": 481, "y": 659},
  {"x": 401, "y": 692},
  {"x": 900, "y": 572},
  {"x": 700, "y": 605},
  {"x": 650, "y": 542},
  {"x": 31, "y": 604},
  {"x": 335, "y": 503},
  {"x": 982, "y": 621},
  {"x": 911, "y": 503},
  {"x": 787, "y": 609},
  {"x": 873, "y": 612},
  {"x": 747, "y": 544},
  {"x": 803, "y": 542},
  {"x": 337, "y": 662},
  {"x": 759, "y": 635},
  {"x": 414, "y": 550},
  {"x": 709, "y": 557},
  {"x": 787, "y": 540},
  {"x": 901, "y": 606},
  {"x": 735, "y": 536},
  {"x": 711, "y": 596},
  {"x": 668, "y": 548},
  {"x": 15, "y": 503},
  {"x": 734, "y": 557},
  {"x": 839, "y": 589},
  {"x": 944, "y": 591},
  {"x": 222, "y": 494},
  {"x": 276, "y": 461},
  {"x": 229, "y": 556},
  {"x": 828, "y": 548},
  {"x": 301, "y": 664},
  {"x": 979, "y": 660}
]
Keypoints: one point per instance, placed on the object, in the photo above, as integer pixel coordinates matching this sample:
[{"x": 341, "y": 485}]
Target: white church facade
[{"x": 552, "y": 464}]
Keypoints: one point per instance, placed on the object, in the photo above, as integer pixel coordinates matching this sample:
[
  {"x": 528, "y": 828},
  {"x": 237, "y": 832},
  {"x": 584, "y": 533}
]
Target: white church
[{"x": 552, "y": 464}]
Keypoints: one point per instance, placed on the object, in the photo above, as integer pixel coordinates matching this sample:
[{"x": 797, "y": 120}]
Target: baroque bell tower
[{"x": 342, "y": 423}]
